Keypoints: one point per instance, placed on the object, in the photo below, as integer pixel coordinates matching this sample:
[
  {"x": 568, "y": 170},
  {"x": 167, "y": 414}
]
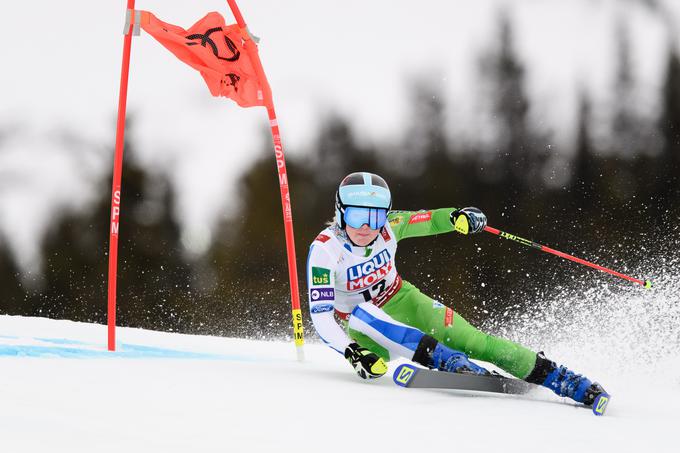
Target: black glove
[
  {"x": 468, "y": 220},
  {"x": 367, "y": 364}
]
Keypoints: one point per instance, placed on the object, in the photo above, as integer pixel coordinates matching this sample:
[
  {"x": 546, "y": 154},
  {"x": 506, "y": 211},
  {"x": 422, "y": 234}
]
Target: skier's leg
[
  {"x": 369, "y": 322},
  {"x": 412, "y": 307},
  {"x": 505, "y": 354},
  {"x": 565, "y": 382},
  {"x": 416, "y": 309},
  {"x": 366, "y": 342}
]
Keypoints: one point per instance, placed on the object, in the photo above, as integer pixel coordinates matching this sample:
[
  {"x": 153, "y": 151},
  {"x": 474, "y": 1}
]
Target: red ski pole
[{"x": 512, "y": 237}]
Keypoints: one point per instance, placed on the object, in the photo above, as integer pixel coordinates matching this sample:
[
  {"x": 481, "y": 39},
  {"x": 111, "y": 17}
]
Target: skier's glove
[
  {"x": 367, "y": 364},
  {"x": 468, "y": 220}
]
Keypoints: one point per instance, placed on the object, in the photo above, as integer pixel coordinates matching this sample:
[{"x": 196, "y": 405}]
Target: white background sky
[{"x": 61, "y": 67}]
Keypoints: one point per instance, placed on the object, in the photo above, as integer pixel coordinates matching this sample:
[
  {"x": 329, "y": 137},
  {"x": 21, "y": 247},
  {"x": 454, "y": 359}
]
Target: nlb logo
[
  {"x": 322, "y": 294},
  {"x": 368, "y": 273}
]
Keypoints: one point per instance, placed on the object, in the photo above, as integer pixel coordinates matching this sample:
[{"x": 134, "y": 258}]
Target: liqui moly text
[{"x": 369, "y": 272}]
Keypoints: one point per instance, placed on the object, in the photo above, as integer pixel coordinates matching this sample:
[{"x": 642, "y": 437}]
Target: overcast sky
[{"x": 61, "y": 68}]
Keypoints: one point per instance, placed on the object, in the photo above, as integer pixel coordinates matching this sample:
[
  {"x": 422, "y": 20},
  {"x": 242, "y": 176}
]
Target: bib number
[{"x": 374, "y": 291}]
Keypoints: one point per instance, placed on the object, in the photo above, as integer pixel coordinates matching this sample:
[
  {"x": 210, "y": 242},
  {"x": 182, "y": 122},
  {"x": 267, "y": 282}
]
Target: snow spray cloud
[{"x": 605, "y": 327}]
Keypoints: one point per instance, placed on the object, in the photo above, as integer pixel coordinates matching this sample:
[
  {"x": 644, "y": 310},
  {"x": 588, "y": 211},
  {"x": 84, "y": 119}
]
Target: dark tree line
[{"x": 600, "y": 200}]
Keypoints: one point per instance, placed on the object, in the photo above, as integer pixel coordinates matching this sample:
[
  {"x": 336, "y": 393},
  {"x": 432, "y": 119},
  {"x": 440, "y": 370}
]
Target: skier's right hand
[
  {"x": 468, "y": 220},
  {"x": 366, "y": 363}
]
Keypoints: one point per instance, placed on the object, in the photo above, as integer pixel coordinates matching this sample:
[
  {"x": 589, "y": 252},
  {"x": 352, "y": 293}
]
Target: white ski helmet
[{"x": 364, "y": 190}]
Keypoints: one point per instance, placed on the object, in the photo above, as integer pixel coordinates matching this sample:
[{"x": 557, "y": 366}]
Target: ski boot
[
  {"x": 566, "y": 383},
  {"x": 435, "y": 355}
]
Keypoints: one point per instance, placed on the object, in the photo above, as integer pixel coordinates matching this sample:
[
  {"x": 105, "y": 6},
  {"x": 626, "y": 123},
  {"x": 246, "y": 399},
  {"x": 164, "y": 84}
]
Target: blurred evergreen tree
[
  {"x": 153, "y": 278},
  {"x": 514, "y": 183},
  {"x": 12, "y": 300},
  {"x": 627, "y": 120},
  {"x": 516, "y": 143},
  {"x": 252, "y": 296},
  {"x": 431, "y": 180},
  {"x": 434, "y": 177},
  {"x": 633, "y": 137},
  {"x": 249, "y": 256},
  {"x": 668, "y": 176},
  {"x": 584, "y": 183}
]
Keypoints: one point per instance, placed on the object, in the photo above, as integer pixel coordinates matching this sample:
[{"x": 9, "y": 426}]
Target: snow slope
[{"x": 63, "y": 392}]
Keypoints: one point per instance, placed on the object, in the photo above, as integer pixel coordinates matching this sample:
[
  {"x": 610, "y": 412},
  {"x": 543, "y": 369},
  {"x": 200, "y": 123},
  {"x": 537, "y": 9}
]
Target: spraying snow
[{"x": 171, "y": 392}]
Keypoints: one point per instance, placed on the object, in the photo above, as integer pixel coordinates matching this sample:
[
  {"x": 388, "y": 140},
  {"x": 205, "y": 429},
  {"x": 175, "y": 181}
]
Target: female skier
[{"x": 352, "y": 274}]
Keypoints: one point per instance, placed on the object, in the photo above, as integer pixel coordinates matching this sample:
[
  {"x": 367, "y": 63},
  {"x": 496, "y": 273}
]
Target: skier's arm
[
  {"x": 321, "y": 284},
  {"x": 408, "y": 224}
]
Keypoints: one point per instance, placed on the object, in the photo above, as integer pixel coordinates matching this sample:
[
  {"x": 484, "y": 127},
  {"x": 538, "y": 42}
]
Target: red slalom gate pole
[
  {"x": 512, "y": 237},
  {"x": 251, "y": 47},
  {"x": 117, "y": 175}
]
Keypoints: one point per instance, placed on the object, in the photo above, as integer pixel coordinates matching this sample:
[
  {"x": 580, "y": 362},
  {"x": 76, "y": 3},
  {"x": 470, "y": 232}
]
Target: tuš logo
[
  {"x": 366, "y": 274},
  {"x": 321, "y": 276}
]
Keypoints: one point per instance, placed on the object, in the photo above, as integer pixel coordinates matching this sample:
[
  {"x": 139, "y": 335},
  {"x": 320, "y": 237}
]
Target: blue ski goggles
[{"x": 356, "y": 217}]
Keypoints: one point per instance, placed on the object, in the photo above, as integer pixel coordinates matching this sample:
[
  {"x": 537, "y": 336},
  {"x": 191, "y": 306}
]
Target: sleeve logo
[
  {"x": 321, "y": 276},
  {"x": 448, "y": 317},
  {"x": 322, "y": 238},
  {"x": 421, "y": 217},
  {"x": 321, "y": 308},
  {"x": 322, "y": 294}
]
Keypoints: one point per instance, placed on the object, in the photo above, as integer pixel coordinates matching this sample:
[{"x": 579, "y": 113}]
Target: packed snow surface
[{"x": 62, "y": 391}]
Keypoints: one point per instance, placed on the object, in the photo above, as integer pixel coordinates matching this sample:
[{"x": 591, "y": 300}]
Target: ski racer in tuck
[{"x": 352, "y": 274}]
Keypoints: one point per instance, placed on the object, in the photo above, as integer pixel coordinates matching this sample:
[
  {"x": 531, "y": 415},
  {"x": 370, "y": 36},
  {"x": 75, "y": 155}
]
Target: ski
[
  {"x": 600, "y": 404},
  {"x": 410, "y": 376},
  {"x": 407, "y": 375}
]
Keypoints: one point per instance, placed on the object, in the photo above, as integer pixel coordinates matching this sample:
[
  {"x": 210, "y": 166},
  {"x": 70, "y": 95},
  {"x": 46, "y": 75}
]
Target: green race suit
[{"x": 342, "y": 275}]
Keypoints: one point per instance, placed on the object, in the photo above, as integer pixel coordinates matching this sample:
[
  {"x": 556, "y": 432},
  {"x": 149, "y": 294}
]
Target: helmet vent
[
  {"x": 378, "y": 181},
  {"x": 353, "y": 179}
]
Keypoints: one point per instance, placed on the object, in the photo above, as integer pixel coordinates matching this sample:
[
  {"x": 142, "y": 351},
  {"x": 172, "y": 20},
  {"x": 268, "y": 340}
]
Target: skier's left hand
[
  {"x": 367, "y": 364},
  {"x": 468, "y": 220}
]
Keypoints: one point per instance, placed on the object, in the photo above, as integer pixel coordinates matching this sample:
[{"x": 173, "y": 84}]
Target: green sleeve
[{"x": 408, "y": 224}]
